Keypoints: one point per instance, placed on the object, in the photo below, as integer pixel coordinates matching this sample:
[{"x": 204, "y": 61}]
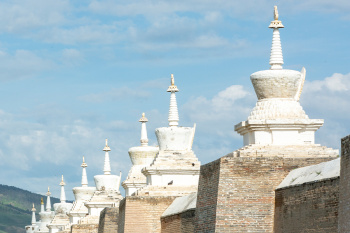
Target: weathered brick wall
[
  {"x": 108, "y": 220},
  {"x": 344, "y": 186},
  {"x": 85, "y": 228},
  {"x": 142, "y": 214},
  {"x": 179, "y": 223},
  {"x": 310, "y": 207},
  {"x": 245, "y": 192},
  {"x": 171, "y": 224},
  {"x": 187, "y": 221},
  {"x": 205, "y": 215}
]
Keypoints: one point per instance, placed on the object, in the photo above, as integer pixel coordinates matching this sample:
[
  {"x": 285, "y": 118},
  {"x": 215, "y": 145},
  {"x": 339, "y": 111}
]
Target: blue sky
[{"x": 73, "y": 73}]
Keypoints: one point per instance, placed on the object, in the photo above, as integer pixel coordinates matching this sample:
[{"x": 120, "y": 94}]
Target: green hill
[{"x": 15, "y": 208}]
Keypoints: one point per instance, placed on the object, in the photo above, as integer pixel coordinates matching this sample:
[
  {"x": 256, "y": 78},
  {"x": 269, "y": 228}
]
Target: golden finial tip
[
  {"x": 276, "y": 13},
  {"x": 143, "y": 114},
  {"x": 42, "y": 201}
]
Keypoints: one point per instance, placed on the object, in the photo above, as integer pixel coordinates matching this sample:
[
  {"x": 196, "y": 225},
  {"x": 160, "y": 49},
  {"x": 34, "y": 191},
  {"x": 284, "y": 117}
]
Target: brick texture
[
  {"x": 85, "y": 228},
  {"x": 179, "y": 223},
  {"x": 142, "y": 214},
  {"x": 205, "y": 217},
  {"x": 344, "y": 186},
  {"x": 310, "y": 207},
  {"x": 108, "y": 220},
  {"x": 236, "y": 194}
]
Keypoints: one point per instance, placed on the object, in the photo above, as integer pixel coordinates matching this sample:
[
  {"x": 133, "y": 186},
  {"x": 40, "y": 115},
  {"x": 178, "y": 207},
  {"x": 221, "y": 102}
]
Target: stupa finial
[
  {"x": 276, "y": 57},
  {"x": 106, "y": 148},
  {"x": 107, "y": 164},
  {"x": 173, "y": 117},
  {"x": 48, "y": 201},
  {"x": 62, "y": 182},
  {"x": 63, "y": 193},
  {"x": 42, "y": 209},
  {"x": 48, "y": 191},
  {"x": 84, "y": 181},
  {"x": 144, "y": 138},
  {"x": 33, "y": 215}
]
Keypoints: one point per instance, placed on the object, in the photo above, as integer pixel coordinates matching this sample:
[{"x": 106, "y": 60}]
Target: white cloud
[
  {"x": 22, "y": 64},
  {"x": 328, "y": 99},
  {"x": 122, "y": 93}
]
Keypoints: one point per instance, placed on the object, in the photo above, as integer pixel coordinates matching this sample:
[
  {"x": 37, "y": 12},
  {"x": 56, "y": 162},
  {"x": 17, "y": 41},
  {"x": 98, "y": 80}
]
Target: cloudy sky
[{"x": 73, "y": 73}]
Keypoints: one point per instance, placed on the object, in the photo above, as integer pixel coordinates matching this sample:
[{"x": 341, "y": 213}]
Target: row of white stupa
[
  {"x": 146, "y": 171},
  {"x": 172, "y": 169}
]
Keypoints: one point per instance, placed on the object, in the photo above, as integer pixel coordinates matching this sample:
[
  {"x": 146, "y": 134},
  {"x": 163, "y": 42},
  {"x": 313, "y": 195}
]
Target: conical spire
[
  {"x": 48, "y": 201},
  {"x": 63, "y": 193},
  {"x": 107, "y": 165},
  {"x": 173, "y": 112},
  {"x": 33, "y": 215},
  {"x": 144, "y": 138},
  {"x": 42, "y": 209},
  {"x": 276, "y": 57},
  {"x": 84, "y": 180}
]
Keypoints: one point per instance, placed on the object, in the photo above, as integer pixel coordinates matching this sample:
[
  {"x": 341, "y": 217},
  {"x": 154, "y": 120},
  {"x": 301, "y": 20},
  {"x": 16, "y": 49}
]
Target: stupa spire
[
  {"x": 144, "y": 138},
  {"x": 107, "y": 164},
  {"x": 84, "y": 180},
  {"x": 42, "y": 209},
  {"x": 33, "y": 215},
  {"x": 173, "y": 111},
  {"x": 63, "y": 193},
  {"x": 48, "y": 201},
  {"x": 276, "y": 56}
]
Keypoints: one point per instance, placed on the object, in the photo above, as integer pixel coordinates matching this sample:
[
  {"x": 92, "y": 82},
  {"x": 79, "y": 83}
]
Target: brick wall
[
  {"x": 142, "y": 214},
  {"x": 239, "y": 192},
  {"x": 108, "y": 220},
  {"x": 85, "y": 228},
  {"x": 205, "y": 216},
  {"x": 179, "y": 223},
  {"x": 310, "y": 207},
  {"x": 344, "y": 186}
]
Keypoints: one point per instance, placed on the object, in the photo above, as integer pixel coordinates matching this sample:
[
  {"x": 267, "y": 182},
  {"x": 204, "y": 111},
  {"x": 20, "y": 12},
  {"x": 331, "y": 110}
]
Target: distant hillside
[{"x": 15, "y": 208}]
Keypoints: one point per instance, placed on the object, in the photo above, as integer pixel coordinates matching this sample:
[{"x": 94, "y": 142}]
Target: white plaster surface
[
  {"x": 107, "y": 182},
  {"x": 326, "y": 170},
  {"x": 276, "y": 83},
  {"x": 175, "y": 138},
  {"x": 181, "y": 204}
]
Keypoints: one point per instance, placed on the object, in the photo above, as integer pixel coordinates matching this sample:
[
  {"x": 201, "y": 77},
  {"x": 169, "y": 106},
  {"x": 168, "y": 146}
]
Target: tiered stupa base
[{"x": 286, "y": 151}]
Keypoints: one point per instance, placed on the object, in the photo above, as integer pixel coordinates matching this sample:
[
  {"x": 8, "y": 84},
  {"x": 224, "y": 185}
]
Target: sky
[{"x": 73, "y": 73}]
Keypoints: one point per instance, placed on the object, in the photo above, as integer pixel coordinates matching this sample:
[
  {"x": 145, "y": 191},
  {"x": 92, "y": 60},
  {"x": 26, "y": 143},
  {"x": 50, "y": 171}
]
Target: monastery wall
[
  {"x": 85, "y": 228},
  {"x": 142, "y": 214},
  {"x": 181, "y": 223},
  {"x": 205, "y": 216},
  {"x": 108, "y": 220},
  {"x": 309, "y": 207},
  {"x": 344, "y": 186},
  {"x": 237, "y": 194}
]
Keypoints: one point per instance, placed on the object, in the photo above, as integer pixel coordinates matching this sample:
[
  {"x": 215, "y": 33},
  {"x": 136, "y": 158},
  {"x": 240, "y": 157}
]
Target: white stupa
[
  {"x": 107, "y": 192},
  {"x": 61, "y": 219},
  {"x": 46, "y": 215},
  {"x": 34, "y": 226},
  {"x": 141, "y": 156},
  {"x": 82, "y": 195},
  {"x": 278, "y": 118},
  {"x": 175, "y": 170}
]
